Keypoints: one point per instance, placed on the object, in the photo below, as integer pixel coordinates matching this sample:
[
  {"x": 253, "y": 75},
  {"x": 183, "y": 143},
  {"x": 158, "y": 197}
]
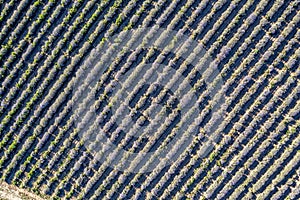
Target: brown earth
[{"x": 10, "y": 192}]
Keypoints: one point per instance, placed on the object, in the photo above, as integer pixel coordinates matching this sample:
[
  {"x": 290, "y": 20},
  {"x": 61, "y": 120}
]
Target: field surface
[{"x": 150, "y": 99}]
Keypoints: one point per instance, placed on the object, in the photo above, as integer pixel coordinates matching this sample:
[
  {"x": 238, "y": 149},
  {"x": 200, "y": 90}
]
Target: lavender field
[{"x": 152, "y": 99}]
